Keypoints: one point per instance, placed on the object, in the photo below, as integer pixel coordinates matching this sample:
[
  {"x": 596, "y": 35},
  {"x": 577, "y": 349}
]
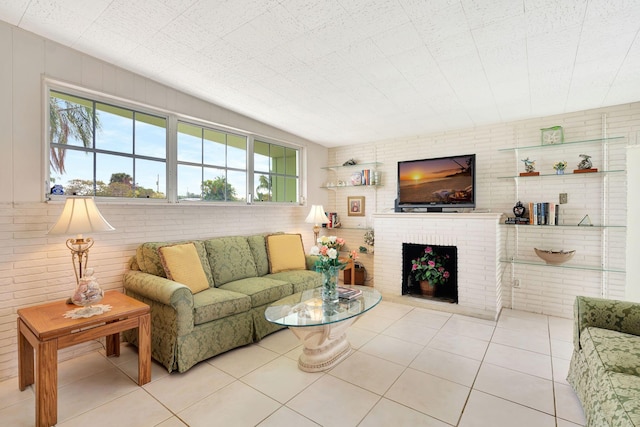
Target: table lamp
[
  {"x": 316, "y": 217},
  {"x": 80, "y": 215}
]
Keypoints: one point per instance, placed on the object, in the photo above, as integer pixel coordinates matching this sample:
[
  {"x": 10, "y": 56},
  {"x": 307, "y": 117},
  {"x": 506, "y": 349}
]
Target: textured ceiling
[{"x": 351, "y": 71}]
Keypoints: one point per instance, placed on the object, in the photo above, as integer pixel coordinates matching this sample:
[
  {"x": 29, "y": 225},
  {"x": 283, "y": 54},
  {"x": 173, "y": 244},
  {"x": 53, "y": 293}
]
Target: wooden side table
[
  {"x": 346, "y": 274},
  {"x": 43, "y": 328}
]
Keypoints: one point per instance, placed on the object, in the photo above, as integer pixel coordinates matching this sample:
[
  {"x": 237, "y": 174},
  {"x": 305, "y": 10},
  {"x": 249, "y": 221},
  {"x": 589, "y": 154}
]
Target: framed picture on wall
[{"x": 355, "y": 205}]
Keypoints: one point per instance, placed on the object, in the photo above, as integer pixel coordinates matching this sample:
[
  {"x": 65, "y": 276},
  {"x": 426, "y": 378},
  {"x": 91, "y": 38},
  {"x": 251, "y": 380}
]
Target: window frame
[
  {"x": 171, "y": 162},
  {"x": 98, "y": 98},
  {"x": 203, "y": 165},
  {"x": 298, "y": 176}
]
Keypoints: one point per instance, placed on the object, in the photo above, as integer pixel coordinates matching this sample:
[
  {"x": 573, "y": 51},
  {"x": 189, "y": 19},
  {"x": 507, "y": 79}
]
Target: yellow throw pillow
[
  {"x": 182, "y": 264},
  {"x": 285, "y": 252}
]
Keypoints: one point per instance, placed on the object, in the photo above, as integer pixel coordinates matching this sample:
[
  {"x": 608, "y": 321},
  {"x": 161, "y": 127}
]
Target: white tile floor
[{"x": 410, "y": 367}]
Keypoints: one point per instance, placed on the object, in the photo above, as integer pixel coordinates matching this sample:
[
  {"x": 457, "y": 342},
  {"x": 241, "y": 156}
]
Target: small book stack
[
  {"x": 348, "y": 293},
  {"x": 543, "y": 213},
  {"x": 517, "y": 220},
  {"x": 333, "y": 220},
  {"x": 366, "y": 177}
]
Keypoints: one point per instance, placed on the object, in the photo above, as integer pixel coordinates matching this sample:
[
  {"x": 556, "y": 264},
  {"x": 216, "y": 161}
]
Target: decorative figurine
[
  {"x": 529, "y": 165},
  {"x": 519, "y": 210},
  {"x": 585, "y": 163}
]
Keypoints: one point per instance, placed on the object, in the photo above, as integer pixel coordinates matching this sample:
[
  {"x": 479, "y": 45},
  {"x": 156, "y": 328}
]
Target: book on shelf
[
  {"x": 517, "y": 220},
  {"x": 543, "y": 213},
  {"x": 333, "y": 220}
]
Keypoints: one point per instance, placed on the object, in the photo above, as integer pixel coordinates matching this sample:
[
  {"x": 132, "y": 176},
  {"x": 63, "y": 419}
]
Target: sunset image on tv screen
[{"x": 438, "y": 181}]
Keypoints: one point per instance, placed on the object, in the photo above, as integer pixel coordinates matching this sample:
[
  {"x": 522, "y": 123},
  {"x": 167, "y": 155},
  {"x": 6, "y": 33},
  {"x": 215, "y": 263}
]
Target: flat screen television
[{"x": 434, "y": 184}]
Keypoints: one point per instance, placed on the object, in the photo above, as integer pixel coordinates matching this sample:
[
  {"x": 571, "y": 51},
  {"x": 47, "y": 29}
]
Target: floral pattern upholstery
[
  {"x": 261, "y": 290},
  {"x": 230, "y": 259},
  {"x": 605, "y": 366},
  {"x": 148, "y": 258},
  {"x": 302, "y": 280},
  {"x": 188, "y": 328},
  {"x": 258, "y": 248},
  {"x": 215, "y": 304}
]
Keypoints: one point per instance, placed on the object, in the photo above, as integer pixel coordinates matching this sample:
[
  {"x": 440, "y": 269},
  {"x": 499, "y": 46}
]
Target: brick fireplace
[{"x": 479, "y": 241}]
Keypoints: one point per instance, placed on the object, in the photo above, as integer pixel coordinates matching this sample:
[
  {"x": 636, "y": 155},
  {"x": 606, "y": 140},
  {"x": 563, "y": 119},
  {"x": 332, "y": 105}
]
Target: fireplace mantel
[{"x": 480, "y": 242}]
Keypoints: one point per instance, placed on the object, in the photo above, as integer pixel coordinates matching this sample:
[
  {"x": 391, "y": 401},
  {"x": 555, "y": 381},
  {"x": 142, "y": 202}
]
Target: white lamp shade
[
  {"x": 317, "y": 215},
  {"x": 80, "y": 215}
]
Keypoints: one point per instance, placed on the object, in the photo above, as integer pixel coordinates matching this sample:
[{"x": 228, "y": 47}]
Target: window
[
  {"x": 106, "y": 148},
  {"x": 97, "y": 149},
  {"x": 276, "y": 176},
  {"x": 212, "y": 164}
]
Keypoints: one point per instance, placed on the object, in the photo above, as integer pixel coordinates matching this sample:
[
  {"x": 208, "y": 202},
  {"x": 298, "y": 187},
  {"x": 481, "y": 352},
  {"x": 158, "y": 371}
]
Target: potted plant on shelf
[
  {"x": 429, "y": 270},
  {"x": 560, "y": 167}
]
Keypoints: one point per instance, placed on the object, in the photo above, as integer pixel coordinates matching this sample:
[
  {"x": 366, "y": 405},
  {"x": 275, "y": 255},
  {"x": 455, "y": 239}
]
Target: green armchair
[{"x": 605, "y": 366}]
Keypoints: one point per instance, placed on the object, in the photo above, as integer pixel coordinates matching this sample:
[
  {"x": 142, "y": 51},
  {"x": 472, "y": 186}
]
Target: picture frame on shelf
[
  {"x": 551, "y": 136},
  {"x": 355, "y": 205}
]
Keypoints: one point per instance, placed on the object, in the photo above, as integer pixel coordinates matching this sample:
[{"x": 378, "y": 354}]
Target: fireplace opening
[{"x": 447, "y": 292}]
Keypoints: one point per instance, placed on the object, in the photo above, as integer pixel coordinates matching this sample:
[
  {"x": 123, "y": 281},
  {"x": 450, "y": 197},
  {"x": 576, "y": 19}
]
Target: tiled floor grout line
[{"x": 475, "y": 377}]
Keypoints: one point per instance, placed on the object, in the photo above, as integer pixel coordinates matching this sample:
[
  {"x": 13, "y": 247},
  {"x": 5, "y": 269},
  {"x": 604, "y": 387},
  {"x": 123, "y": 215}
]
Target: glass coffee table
[{"x": 323, "y": 332}]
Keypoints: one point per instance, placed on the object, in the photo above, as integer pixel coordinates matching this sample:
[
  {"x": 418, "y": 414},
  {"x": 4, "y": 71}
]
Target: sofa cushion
[
  {"x": 302, "y": 280},
  {"x": 615, "y": 351},
  {"x": 612, "y": 359},
  {"x": 148, "y": 258},
  {"x": 626, "y": 388},
  {"x": 261, "y": 290},
  {"x": 215, "y": 303},
  {"x": 259, "y": 251},
  {"x": 182, "y": 264},
  {"x": 230, "y": 259},
  {"x": 286, "y": 252}
]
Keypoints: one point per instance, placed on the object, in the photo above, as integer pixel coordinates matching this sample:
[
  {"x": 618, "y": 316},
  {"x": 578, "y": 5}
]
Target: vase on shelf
[
  {"x": 559, "y": 171},
  {"x": 427, "y": 288},
  {"x": 330, "y": 276}
]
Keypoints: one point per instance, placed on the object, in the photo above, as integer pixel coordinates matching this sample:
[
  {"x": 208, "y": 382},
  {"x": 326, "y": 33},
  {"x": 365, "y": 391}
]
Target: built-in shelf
[
  {"x": 586, "y": 141},
  {"x": 582, "y": 227},
  {"x": 565, "y": 266},
  {"x": 346, "y": 228},
  {"x": 339, "y": 187},
  {"x": 564, "y": 175},
  {"x": 594, "y": 240},
  {"x": 357, "y": 165}
]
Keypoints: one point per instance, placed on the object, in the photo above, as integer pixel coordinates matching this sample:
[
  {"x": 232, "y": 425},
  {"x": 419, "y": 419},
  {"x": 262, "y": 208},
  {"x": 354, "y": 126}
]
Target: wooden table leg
[
  {"x": 144, "y": 349},
  {"x": 113, "y": 345},
  {"x": 25, "y": 359},
  {"x": 47, "y": 384}
]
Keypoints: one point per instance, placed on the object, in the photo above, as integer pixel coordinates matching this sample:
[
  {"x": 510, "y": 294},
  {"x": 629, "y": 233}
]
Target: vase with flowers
[
  {"x": 429, "y": 270},
  {"x": 560, "y": 167},
  {"x": 329, "y": 265}
]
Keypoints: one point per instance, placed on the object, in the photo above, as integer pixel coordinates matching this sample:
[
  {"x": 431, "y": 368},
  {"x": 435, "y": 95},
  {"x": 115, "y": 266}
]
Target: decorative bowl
[{"x": 554, "y": 257}]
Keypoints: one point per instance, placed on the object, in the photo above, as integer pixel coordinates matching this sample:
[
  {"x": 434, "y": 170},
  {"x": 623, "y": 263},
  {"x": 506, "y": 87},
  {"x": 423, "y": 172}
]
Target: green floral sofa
[
  {"x": 605, "y": 366},
  {"x": 187, "y": 328}
]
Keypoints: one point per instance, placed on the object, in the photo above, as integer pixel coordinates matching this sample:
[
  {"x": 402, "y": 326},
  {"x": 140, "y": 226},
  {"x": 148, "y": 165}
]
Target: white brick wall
[{"x": 542, "y": 289}]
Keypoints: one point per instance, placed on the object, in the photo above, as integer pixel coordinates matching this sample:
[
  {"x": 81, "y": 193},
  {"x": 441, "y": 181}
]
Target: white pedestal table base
[{"x": 324, "y": 346}]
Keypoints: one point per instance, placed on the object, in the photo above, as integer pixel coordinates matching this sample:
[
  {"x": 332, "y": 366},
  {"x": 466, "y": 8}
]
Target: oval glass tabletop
[{"x": 306, "y": 308}]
